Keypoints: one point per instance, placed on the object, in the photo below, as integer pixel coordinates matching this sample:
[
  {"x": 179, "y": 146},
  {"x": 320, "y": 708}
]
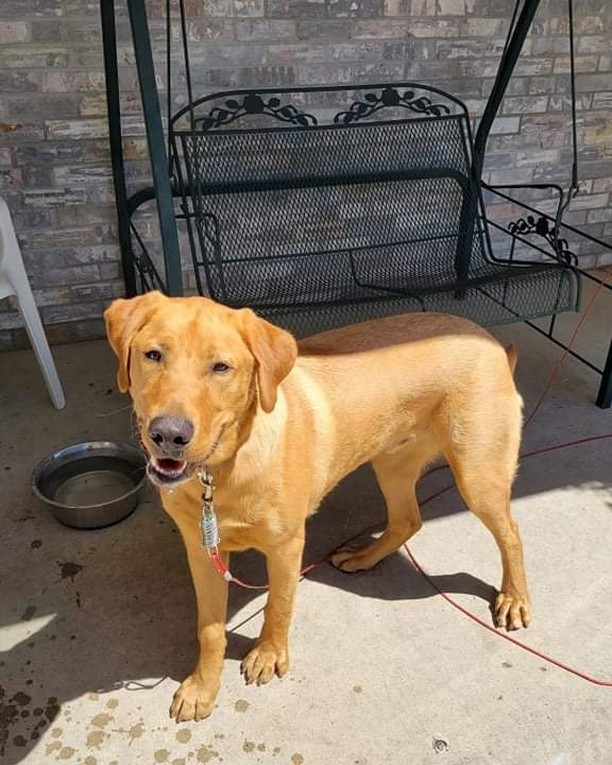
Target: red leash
[{"x": 505, "y": 636}]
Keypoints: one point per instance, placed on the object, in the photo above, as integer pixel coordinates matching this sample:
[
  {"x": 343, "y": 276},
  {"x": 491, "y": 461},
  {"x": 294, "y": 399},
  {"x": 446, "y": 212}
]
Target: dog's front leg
[
  {"x": 195, "y": 698},
  {"x": 270, "y": 654}
]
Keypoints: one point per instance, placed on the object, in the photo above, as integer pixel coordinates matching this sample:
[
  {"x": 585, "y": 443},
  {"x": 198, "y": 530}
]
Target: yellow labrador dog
[{"x": 279, "y": 425}]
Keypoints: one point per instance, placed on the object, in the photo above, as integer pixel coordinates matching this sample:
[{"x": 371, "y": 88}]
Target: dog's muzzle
[{"x": 168, "y": 472}]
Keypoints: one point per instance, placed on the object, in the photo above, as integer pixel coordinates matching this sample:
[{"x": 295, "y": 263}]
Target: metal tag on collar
[
  {"x": 208, "y": 485},
  {"x": 208, "y": 518}
]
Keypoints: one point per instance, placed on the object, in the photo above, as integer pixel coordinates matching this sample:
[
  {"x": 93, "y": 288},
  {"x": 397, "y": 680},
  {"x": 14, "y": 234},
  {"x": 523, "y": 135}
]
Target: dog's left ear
[
  {"x": 124, "y": 318},
  {"x": 275, "y": 352}
]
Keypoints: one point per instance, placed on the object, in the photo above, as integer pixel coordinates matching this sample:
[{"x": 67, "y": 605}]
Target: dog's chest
[{"x": 249, "y": 521}]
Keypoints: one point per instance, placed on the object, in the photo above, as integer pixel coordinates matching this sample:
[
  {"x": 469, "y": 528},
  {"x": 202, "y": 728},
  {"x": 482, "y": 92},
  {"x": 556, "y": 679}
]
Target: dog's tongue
[{"x": 168, "y": 466}]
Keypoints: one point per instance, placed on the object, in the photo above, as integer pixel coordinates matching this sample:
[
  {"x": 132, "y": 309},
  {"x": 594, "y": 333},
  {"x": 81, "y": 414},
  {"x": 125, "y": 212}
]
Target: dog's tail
[{"x": 512, "y": 355}]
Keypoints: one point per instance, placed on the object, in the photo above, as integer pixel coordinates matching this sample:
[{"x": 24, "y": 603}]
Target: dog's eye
[
  {"x": 220, "y": 368},
  {"x": 153, "y": 355}
]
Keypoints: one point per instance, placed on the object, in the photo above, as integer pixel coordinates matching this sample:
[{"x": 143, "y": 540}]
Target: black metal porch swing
[{"x": 321, "y": 206}]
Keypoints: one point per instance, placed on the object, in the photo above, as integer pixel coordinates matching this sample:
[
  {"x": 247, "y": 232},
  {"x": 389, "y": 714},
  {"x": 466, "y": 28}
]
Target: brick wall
[{"x": 54, "y": 159}]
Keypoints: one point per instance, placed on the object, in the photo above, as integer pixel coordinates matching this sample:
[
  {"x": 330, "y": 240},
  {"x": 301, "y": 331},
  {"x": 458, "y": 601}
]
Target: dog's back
[{"x": 428, "y": 384}]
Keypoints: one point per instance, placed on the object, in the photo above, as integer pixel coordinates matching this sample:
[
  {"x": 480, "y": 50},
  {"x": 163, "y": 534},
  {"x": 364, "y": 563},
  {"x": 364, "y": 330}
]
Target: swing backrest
[{"x": 318, "y": 194}]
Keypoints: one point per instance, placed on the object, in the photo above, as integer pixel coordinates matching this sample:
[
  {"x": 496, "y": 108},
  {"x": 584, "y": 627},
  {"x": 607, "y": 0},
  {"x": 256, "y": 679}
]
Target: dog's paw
[
  {"x": 264, "y": 661},
  {"x": 194, "y": 700},
  {"x": 512, "y": 611},
  {"x": 352, "y": 559}
]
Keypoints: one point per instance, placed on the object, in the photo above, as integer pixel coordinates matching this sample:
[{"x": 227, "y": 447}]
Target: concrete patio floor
[{"x": 383, "y": 669}]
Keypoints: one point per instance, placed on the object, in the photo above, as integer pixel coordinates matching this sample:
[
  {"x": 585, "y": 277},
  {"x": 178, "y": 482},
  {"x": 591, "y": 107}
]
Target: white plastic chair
[{"x": 14, "y": 281}]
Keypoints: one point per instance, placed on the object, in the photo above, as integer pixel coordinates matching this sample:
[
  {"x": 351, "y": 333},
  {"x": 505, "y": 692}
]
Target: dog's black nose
[{"x": 171, "y": 432}]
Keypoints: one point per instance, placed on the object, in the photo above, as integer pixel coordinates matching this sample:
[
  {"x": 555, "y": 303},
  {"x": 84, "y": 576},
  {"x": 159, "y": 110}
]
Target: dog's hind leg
[
  {"x": 487, "y": 494},
  {"x": 483, "y": 460},
  {"x": 397, "y": 474}
]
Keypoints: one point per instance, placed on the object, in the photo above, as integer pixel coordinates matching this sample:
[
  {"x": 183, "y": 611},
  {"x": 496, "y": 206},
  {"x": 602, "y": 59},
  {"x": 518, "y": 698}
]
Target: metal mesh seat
[{"x": 319, "y": 216}]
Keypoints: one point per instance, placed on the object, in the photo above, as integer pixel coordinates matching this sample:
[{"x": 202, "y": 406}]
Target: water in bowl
[{"x": 94, "y": 487}]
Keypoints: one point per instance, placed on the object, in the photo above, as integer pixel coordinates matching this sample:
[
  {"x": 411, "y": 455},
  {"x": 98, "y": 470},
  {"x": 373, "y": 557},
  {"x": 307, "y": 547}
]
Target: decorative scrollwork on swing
[
  {"x": 149, "y": 276},
  {"x": 253, "y": 103},
  {"x": 542, "y": 227},
  {"x": 373, "y": 102}
]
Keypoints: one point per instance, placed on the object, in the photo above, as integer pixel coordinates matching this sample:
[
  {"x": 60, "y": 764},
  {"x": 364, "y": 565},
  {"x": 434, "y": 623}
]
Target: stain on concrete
[
  {"x": 178, "y": 761},
  {"x": 66, "y": 752},
  {"x": 54, "y": 746},
  {"x": 28, "y": 613},
  {"x": 52, "y": 709},
  {"x": 95, "y": 739},
  {"x": 248, "y": 746},
  {"x": 183, "y": 735},
  {"x": 90, "y": 761},
  {"x": 69, "y": 569},
  {"x": 35, "y": 734},
  {"x": 357, "y": 689},
  {"x": 205, "y": 754},
  {"x": 56, "y": 732},
  {"x": 35, "y": 544},
  {"x": 22, "y": 699},
  {"x": 276, "y": 750},
  {"x": 297, "y": 759},
  {"x": 136, "y": 731},
  {"x": 241, "y": 705},
  {"x": 161, "y": 755},
  {"x": 261, "y": 747},
  {"x": 19, "y": 741},
  {"x": 9, "y": 714},
  {"x": 112, "y": 703},
  {"x": 101, "y": 720},
  {"x": 93, "y": 696}
]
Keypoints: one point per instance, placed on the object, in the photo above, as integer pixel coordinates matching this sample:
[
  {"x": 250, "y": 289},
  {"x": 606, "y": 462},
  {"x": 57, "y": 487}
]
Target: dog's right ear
[{"x": 124, "y": 319}]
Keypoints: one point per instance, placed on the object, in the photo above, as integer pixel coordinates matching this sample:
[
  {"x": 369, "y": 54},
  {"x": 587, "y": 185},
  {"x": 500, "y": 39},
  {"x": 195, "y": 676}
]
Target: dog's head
[{"x": 196, "y": 372}]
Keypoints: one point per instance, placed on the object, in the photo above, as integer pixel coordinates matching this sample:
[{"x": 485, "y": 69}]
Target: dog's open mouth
[
  {"x": 166, "y": 471},
  {"x": 169, "y": 472}
]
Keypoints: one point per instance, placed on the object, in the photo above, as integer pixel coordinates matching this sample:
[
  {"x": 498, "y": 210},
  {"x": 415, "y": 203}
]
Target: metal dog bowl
[{"x": 91, "y": 485}]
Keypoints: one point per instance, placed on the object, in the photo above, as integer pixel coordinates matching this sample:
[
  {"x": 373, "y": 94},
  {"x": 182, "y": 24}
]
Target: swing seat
[{"x": 320, "y": 207}]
